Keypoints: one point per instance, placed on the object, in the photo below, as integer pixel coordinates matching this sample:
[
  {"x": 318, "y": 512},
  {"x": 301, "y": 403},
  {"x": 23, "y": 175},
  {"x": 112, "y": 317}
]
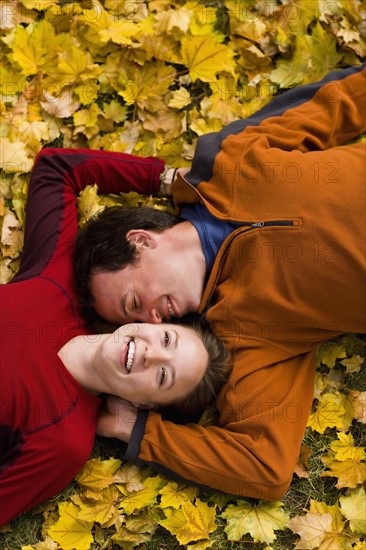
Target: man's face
[{"x": 157, "y": 288}]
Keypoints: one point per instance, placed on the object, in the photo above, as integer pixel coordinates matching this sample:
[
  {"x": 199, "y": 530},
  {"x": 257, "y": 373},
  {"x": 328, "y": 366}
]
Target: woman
[{"x": 52, "y": 371}]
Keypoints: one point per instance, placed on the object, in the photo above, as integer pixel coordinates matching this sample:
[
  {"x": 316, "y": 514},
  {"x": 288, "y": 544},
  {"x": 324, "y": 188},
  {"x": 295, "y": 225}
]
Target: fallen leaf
[
  {"x": 144, "y": 497},
  {"x": 101, "y": 510},
  {"x": 344, "y": 448},
  {"x": 350, "y": 472},
  {"x": 353, "y": 507},
  {"x": 260, "y": 520},
  {"x": 131, "y": 476},
  {"x": 174, "y": 495},
  {"x": 69, "y": 531},
  {"x": 14, "y": 157},
  {"x": 96, "y": 475},
  {"x": 191, "y": 522},
  {"x": 204, "y": 57},
  {"x": 312, "y": 528}
]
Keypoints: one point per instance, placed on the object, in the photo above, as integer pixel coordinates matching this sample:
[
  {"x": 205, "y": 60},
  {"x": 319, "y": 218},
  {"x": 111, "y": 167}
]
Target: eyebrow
[{"x": 176, "y": 340}]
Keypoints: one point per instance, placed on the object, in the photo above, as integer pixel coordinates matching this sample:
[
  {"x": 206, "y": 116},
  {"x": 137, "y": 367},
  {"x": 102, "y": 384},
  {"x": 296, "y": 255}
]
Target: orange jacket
[{"x": 290, "y": 278}]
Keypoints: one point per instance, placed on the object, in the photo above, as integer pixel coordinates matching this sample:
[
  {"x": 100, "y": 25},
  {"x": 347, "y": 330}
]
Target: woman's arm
[{"x": 58, "y": 177}]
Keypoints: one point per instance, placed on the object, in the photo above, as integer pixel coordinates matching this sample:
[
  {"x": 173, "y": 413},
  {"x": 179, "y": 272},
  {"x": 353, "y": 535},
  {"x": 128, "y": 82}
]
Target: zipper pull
[{"x": 258, "y": 224}]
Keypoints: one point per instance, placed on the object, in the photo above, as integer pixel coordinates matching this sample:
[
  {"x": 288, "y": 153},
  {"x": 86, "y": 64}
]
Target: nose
[
  {"x": 155, "y": 316},
  {"x": 154, "y": 357},
  {"x": 150, "y": 316}
]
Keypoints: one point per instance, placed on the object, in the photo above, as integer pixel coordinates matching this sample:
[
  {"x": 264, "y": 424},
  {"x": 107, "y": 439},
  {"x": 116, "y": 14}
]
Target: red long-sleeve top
[{"x": 47, "y": 420}]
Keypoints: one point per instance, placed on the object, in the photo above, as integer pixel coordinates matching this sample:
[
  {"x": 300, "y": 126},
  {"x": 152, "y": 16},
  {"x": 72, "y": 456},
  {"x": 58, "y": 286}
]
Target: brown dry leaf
[
  {"x": 312, "y": 528},
  {"x": 302, "y": 466},
  {"x": 11, "y": 236}
]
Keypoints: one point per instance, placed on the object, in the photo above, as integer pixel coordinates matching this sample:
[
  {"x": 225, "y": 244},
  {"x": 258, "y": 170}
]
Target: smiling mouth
[
  {"x": 170, "y": 308},
  {"x": 131, "y": 347}
]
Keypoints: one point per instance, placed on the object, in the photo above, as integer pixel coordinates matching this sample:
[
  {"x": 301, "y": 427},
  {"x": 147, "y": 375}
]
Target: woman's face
[{"x": 151, "y": 364}]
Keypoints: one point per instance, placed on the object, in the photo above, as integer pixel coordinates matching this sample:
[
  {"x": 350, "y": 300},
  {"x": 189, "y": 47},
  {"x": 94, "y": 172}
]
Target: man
[{"x": 270, "y": 249}]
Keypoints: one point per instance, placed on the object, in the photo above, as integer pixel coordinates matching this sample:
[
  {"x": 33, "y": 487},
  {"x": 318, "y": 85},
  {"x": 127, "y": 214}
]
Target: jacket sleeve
[
  {"x": 263, "y": 415},
  {"x": 57, "y": 178},
  {"x": 313, "y": 117}
]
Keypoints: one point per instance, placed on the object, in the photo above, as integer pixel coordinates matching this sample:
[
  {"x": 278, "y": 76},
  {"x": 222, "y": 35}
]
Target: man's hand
[{"x": 117, "y": 419}]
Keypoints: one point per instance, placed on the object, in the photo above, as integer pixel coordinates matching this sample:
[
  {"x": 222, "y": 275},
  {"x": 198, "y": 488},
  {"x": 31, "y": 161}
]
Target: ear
[{"x": 142, "y": 238}]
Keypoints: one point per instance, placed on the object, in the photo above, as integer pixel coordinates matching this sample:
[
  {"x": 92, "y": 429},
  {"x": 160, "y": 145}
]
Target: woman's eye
[
  {"x": 166, "y": 338},
  {"x": 163, "y": 376}
]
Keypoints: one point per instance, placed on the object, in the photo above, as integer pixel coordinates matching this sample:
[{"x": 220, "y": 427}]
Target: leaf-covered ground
[{"x": 148, "y": 78}]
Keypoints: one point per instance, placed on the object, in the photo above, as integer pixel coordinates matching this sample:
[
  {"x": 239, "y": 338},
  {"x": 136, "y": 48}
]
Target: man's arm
[
  {"x": 253, "y": 453},
  {"x": 307, "y": 118}
]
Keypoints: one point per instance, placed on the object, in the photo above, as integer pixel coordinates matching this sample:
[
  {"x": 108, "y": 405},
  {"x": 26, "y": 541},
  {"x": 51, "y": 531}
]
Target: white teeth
[
  {"x": 130, "y": 355},
  {"x": 170, "y": 309}
]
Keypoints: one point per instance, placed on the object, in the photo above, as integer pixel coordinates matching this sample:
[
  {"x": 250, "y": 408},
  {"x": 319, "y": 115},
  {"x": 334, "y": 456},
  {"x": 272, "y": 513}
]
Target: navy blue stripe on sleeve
[{"x": 209, "y": 145}]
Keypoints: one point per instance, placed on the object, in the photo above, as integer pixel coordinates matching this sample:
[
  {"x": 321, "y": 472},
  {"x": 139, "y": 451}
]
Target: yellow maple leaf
[
  {"x": 14, "y": 157},
  {"x": 96, "y": 475},
  {"x": 350, "y": 410},
  {"x": 87, "y": 118},
  {"x": 145, "y": 497},
  {"x": 69, "y": 531},
  {"x": 290, "y": 73},
  {"x": 201, "y": 126},
  {"x": 115, "y": 111},
  {"x": 322, "y": 49},
  {"x": 146, "y": 521},
  {"x": 353, "y": 364},
  {"x": 101, "y": 510},
  {"x": 120, "y": 32},
  {"x": 141, "y": 84},
  {"x": 328, "y": 413},
  {"x": 180, "y": 98},
  {"x": 260, "y": 520},
  {"x": 312, "y": 528},
  {"x": 253, "y": 59},
  {"x": 203, "y": 21},
  {"x": 329, "y": 352},
  {"x": 344, "y": 448},
  {"x": 74, "y": 66},
  {"x": 174, "y": 495},
  {"x": 30, "y": 47},
  {"x": 88, "y": 203},
  {"x": 205, "y": 57},
  {"x": 353, "y": 507},
  {"x": 350, "y": 472},
  {"x": 190, "y": 522},
  {"x": 224, "y": 110}
]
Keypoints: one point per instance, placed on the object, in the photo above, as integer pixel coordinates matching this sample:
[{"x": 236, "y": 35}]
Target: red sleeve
[
  {"x": 41, "y": 471},
  {"x": 58, "y": 177}
]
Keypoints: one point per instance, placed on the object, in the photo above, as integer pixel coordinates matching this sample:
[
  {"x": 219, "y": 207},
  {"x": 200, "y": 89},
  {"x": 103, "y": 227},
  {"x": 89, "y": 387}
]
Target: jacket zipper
[
  {"x": 250, "y": 226},
  {"x": 271, "y": 223}
]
